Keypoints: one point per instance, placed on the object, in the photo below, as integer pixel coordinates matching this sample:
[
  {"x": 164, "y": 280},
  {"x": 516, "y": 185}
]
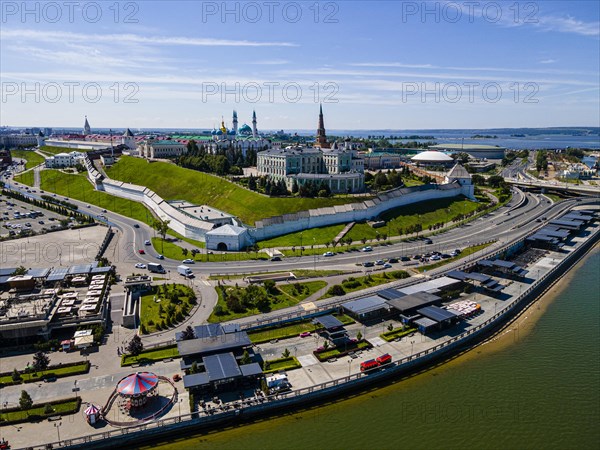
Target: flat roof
[
  {"x": 425, "y": 322},
  {"x": 390, "y": 294},
  {"x": 554, "y": 233},
  {"x": 365, "y": 305},
  {"x": 567, "y": 223},
  {"x": 251, "y": 369},
  {"x": 213, "y": 344},
  {"x": 436, "y": 313},
  {"x": 413, "y": 301},
  {"x": 79, "y": 269},
  {"x": 197, "y": 379},
  {"x": 38, "y": 273},
  {"x": 329, "y": 322},
  {"x": 7, "y": 271},
  {"x": 438, "y": 283},
  {"x": 476, "y": 276},
  {"x": 221, "y": 366},
  {"x": 208, "y": 330},
  {"x": 57, "y": 274}
]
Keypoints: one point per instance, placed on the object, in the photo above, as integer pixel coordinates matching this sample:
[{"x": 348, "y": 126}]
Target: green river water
[{"x": 535, "y": 386}]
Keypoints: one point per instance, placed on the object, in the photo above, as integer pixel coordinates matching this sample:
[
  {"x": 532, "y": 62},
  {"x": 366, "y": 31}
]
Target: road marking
[{"x": 206, "y": 282}]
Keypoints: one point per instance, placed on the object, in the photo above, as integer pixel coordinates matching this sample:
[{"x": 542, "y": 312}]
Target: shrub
[{"x": 336, "y": 290}]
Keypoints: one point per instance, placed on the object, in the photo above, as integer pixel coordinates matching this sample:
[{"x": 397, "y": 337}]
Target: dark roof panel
[
  {"x": 252, "y": 369},
  {"x": 365, "y": 305},
  {"x": 436, "y": 313},
  {"x": 221, "y": 367},
  {"x": 390, "y": 294},
  {"x": 413, "y": 301},
  {"x": 329, "y": 322}
]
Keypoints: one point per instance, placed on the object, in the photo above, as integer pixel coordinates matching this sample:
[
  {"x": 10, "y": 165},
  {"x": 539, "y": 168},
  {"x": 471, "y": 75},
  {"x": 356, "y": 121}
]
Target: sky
[{"x": 372, "y": 65}]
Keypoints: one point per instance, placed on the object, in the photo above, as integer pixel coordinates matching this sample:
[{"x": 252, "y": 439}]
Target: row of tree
[{"x": 224, "y": 161}]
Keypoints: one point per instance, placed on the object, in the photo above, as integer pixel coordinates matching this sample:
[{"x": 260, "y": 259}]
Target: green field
[
  {"x": 78, "y": 187},
  {"x": 153, "y": 355},
  {"x": 353, "y": 284},
  {"x": 281, "y": 298},
  {"x": 426, "y": 213},
  {"x": 33, "y": 158},
  {"x": 176, "y": 183},
  {"x": 301, "y": 273},
  {"x": 173, "y": 303},
  {"x": 306, "y": 238},
  {"x": 25, "y": 178},
  {"x": 60, "y": 407},
  {"x": 275, "y": 365}
]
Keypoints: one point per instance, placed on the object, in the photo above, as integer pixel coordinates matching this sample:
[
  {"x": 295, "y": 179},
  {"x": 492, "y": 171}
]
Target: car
[
  {"x": 305, "y": 334},
  {"x": 404, "y": 258},
  {"x": 328, "y": 254},
  {"x": 140, "y": 266},
  {"x": 104, "y": 211},
  {"x": 176, "y": 377},
  {"x": 417, "y": 257},
  {"x": 50, "y": 378},
  {"x": 428, "y": 241},
  {"x": 141, "y": 251},
  {"x": 445, "y": 256},
  {"x": 387, "y": 266},
  {"x": 435, "y": 258},
  {"x": 276, "y": 258},
  {"x": 88, "y": 206},
  {"x": 160, "y": 257},
  {"x": 366, "y": 249},
  {"x": 135, "y": 225},
  {"x": 147, "y": 242},
  {"x": 393, "y": 260},
  {"x": 188, "y": 261},
  {"x": 368, "y": 264},
  {"x": 457, "y": 251},
  {"x": 380, "y": 262}
]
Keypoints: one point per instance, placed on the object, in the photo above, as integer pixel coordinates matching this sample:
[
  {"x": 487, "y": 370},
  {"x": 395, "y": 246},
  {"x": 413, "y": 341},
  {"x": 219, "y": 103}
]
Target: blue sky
[{"x": 373, "y": 65}]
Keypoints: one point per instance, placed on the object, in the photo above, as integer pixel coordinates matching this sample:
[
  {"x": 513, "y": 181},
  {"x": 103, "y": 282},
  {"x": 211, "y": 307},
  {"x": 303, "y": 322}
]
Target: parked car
[
  {"x": 103, "y": 210},
  {"x": 404, "y": 258},
  {"x": 141, "y": 251},
  {"x": 428, "y": 241},
  {"x": 368, "y": 264},
  {"x": 140, "y": 266},
  {"x": 328, "y": 254},
  {"x": 305, "y": 334},
  {"x": 393, "y": 260},
  {"x": 387, "y": 266},
  {"x": 380, "y": 262},
  {"x": 276, "y": 258}
]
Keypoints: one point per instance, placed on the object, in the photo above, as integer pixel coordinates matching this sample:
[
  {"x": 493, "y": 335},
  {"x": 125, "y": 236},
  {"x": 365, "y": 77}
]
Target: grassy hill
[
  {"x": 176, "y": 183},
  {"x": 33, "y": 159}
]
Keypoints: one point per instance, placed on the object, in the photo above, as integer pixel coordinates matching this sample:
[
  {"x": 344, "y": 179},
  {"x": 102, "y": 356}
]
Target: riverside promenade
[{"x": 312, "y": 379}]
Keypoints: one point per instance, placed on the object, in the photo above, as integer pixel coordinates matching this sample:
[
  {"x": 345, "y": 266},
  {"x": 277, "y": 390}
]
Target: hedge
[
  {"x": 56, "y": 371},
  {"x": 62, "y": 407}
]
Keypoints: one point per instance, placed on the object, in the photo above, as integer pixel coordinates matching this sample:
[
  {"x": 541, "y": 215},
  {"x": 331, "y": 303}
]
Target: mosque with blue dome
[{"x": 242, "y": 138}]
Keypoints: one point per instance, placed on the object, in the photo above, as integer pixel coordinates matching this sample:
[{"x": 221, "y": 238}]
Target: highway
[{"x": 505, "y": 224}]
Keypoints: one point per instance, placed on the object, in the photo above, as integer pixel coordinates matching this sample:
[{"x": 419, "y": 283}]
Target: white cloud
[{"x": 548, "y": 61}]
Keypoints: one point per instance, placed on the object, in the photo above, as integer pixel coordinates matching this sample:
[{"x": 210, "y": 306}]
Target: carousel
[{"x": 135, "y": 389}]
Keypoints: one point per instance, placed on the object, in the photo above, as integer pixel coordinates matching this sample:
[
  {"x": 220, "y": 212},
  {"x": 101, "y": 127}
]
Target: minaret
[
  {"x": 254, "y": 130},
  {"x": 321, "y": 137},
  {"x": 86, "y": 127},
  {"x": 235, "y": 122}
]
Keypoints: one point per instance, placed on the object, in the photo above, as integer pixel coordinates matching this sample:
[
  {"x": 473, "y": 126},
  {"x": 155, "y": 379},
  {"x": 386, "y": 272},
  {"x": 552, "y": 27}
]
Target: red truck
[{"x": 374, "y": 363}]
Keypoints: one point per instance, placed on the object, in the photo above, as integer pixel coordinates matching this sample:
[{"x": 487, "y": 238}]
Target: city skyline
[{"x": 373, "y": 65}]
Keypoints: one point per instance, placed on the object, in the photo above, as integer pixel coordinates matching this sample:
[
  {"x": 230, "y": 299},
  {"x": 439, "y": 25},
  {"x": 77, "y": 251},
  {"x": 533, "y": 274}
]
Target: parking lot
[{"x": 16, "y": 217}]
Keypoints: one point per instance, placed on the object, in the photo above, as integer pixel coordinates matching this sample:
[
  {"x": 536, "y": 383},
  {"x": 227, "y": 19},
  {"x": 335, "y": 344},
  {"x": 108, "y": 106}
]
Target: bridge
[{"x": 555, "y": 186}]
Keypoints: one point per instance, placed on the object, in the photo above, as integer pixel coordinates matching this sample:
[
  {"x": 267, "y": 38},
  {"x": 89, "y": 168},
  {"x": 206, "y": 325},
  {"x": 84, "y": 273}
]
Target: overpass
[{"x": 555, "y": 186}]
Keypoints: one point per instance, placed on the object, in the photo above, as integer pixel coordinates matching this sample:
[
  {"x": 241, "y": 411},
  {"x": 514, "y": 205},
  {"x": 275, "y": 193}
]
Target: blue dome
[
  {"x": 245, "y": 129},
  {"x": 213, "y": 132},
  {"x": 219, "y": 133},
  {"x": 231, "y": 132}
]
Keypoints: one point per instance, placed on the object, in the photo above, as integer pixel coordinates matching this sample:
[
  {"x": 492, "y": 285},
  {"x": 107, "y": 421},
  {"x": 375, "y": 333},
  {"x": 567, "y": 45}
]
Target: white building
[
  {"x": 18, "y": 140},
  {"x": 61, "y": 160},
  {"x": 227, "y": 238},
  {"x": 165, "y": 148},
  {"x": 341, "y": 169}
]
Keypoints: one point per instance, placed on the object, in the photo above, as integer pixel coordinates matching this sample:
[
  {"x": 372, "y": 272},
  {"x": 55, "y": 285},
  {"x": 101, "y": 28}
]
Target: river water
[{"x": 535, "y": 385}]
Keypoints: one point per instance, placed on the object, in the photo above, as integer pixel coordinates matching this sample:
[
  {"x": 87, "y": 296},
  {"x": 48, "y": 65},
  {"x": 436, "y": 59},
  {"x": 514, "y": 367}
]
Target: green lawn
[
  {"x": 25, "y": 178},
  {"x": 176, "y": 301},
  {"x": 62, "y": 407},
  {"x": 426, "y": 213},
  {"x": 306, "y": 238},
  {"x": 304, "y": 273},
  {"x": 466, "y": 252},
  {"x": 33, "y": 158},
  {"x": 275, "y": 365},
  {"x": 354, "y": 284},
  {"x": 290, "y": 331},
  {"x": 176, "y": 183},
  {"x": 174, "y": 251},
  {"x": 301, "y": 290},
  {"x": 57, "y": 371},
  {"x": 396, "y": 333},
  {"x": 183, "y": 238},
  {"x": 554, "y": 197},
  {"x": 78, "y": 187},
  {"x": 54, "y": 150},
  {"x": 334, "y": 352},
  {"x": 155, "y": 354}
]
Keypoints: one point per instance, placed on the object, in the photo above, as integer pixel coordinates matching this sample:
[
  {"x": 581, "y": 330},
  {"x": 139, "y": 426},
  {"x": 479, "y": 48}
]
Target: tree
[
  {"x": 286, "y": 353},
  {"x": 269, "y": 286},
  {"x": 188, "y": 334},
  {"x": 25, "y": 401},
  {"x": 185, "y": 252},
  {"x": 326, "y": 344},
  {"x": 194, "y": 368},
  {"x": 48, "y": 409},
  {"x": 20, "y": 271},
  {"x": 16, "y": 376},
  {"x": 390, "y": 327},
  {"x": 161, "y": 226},
  {"x": 336, "y": 290},
  {"x": 252, "y": 183},
  {"x": 40, "y": 361},
  {"x": 135, "y": 346},
  {"x": 245, "y": 358},
  {"x": 359, "y": 336}
]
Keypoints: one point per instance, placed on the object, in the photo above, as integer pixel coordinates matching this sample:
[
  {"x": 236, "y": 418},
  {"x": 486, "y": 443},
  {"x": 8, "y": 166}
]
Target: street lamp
[
  {"x": 412, "y": 343},
  {"x": 349, "y": 367},
  {"x": 57, "y": 426}
]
